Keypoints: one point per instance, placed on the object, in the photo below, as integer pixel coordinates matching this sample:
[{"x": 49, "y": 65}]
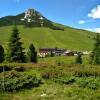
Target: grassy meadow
[
  {"x": 70, "y": 38},
  {"x": 52, "y": 78},
  {"x": 61, "y": 80}
]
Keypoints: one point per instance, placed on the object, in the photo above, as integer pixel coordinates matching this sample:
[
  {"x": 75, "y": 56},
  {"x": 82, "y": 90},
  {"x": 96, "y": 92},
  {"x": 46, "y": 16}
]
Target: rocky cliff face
[{"x": 32, "y": 15}]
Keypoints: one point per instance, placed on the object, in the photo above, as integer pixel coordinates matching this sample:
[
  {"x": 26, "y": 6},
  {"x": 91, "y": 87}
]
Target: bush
[
  {"x": 90, "y": 82},
  {"x": 65, "y": 80},
  {"x": 19, "y": 69},
  {"x": 93, "y": 85},
  {"x": 15, "y": 81},
  {"x": 50, "y": 73},
  {"x": 82, "y": 82},
  {"x": 78, "y": 59}
]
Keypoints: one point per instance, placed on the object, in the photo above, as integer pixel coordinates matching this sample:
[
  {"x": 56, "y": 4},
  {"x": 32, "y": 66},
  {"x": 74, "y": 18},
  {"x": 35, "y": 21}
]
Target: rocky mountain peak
[
  {"x": 29, "y": 18},
  {"x": 31, "y": 15}
]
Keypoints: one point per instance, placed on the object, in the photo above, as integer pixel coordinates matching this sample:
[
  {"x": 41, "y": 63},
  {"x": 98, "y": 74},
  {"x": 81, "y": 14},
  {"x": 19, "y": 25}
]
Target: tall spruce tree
[
  {"x": 1, "y": 54},
  {"x": 15, "y": 50},
  {"x": 95, "y": 55},
  {"x": 32, "y": 54},
  {"x": 78, "y": 59}
]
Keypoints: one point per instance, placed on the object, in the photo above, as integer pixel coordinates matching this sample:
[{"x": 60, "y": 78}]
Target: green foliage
[
  {"x": 32, "y": 53},
  {"x": 78, "y": 59},
  {"x": 95, "y": 56},
  {"x": 1, "y": 54},
  {"x": 65, "y": 80},
  {"x": 15, "y": 81},
  {"x": 15, "y": 50},
  {"x": 50, "y": 73},
  {"x": 90, "y": 82},
  {"x": 19, "y": 68}
]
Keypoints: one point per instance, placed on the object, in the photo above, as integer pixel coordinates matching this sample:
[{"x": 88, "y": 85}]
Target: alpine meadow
[
  {"x": 49, "y": 50},
  {"x": 70, "y": 38}
]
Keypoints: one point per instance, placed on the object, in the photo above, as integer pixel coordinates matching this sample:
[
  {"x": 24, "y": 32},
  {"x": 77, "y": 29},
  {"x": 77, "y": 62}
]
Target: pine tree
[
  {"x": 1, "y": 54},
  {"x": 32, "y": 53},
  {"x": 15, "y": 50},
  {"x": 95, "y": 55},
  {"x": 78, "y": 59}
]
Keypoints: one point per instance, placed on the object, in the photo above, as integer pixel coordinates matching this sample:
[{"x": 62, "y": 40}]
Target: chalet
[
  {"x": 59, "y": 52},
  {"x": 86, "y": 53},
  {"x": 69, "y": 53},
  {"x": 47, "y": 51},
  {"x": 43, "y": 52}
]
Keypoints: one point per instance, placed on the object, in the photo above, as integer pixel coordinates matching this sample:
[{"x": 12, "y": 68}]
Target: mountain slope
[
  {"x": 70, "y": 38},
  {"x": 10, "y": 20},
  {"x": 37, "y": 29}
]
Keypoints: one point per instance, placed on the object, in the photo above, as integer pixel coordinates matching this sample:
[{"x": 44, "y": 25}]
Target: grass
[
  {"x": 63, "y": 59},
  {"x": 54, "y": 91},
  {"x": 86, "y": 84},
  {"x": 70, "y": 38}
]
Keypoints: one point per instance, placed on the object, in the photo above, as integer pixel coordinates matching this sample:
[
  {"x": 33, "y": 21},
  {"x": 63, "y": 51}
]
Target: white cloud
[
  {"x": 97, "y": 30},
  {"x": 95, "y": 13},
  {"x": 81, "y": 22}
]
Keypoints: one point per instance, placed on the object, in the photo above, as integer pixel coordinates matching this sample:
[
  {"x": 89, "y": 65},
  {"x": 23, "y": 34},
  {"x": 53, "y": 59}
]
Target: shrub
[
  {"x": 78, "y": 59},
  {"x": 82, "y": 82},
  {"x": 90, "y": 82},
  {"x": 15, "y": 81},
  {"x": 19, "y": 69},
  {"x": 65, "y": 80},
  {"x": 93, "y": 85},
  {"x": 51, "y": 73}
]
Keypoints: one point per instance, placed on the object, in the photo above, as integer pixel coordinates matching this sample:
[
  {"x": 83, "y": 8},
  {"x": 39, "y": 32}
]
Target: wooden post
[{"x": 4, "y": 78}]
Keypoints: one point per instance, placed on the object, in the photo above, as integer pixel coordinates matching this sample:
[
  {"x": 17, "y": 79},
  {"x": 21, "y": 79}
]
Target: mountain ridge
[{"x": 30, "y": 18}]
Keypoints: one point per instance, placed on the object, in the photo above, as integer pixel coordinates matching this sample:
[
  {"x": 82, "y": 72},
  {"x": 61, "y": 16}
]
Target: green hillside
[{"x": 70, "y": 38}]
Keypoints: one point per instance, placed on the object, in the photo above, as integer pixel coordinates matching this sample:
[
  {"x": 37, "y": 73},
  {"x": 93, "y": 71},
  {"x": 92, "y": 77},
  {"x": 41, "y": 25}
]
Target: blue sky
[{"x": 83, "y": 14}]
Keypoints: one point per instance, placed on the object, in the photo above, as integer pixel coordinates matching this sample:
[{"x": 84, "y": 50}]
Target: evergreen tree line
[
  {"x": 95, "y": 54},
  {"x": 15, "y": 51}
]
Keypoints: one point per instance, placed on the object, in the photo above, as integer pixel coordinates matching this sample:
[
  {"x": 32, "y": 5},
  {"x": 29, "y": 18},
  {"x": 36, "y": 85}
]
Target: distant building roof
[{"x": 50, "y": 49}]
